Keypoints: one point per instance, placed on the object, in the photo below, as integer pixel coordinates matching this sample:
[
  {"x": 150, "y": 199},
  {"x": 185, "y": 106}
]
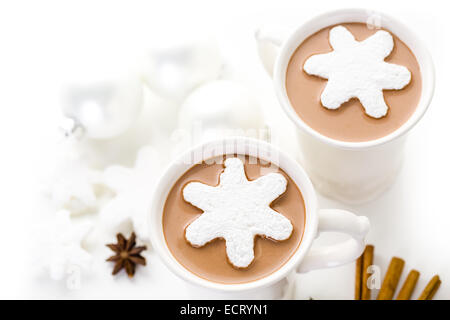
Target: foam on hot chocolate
[
  {"x": 350, "y": 122},
  {"x": 237, "y": 210},
  {"x": 210, "y": 261},
  {"x": 357, "y": 70}
]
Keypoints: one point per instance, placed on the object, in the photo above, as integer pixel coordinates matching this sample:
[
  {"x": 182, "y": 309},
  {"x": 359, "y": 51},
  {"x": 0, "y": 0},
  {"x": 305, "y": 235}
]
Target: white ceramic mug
[
  {"x": 352, "y": 172},
  {"x": 303, "y": 260}
]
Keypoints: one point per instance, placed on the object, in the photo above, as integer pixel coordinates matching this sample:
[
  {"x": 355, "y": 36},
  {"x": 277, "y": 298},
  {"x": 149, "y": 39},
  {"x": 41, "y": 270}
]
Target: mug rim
[
  {"x": 172, "y": 174},
  {"x": 355, "y": 15}
]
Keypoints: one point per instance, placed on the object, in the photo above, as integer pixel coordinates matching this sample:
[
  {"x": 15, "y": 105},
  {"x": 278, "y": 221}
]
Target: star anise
[{"x": 127, "y": 254}]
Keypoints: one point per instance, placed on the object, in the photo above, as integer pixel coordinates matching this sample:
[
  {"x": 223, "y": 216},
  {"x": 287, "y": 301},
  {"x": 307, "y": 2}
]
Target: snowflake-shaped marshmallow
[
  {"x": 237, "y": 210},
  {"x": 357, "y": 70}
]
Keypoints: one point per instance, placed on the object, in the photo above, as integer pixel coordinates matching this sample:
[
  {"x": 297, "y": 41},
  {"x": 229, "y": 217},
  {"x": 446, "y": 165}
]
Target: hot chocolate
[
  {"x": 352, "y": 120},
  {"x": 211, "y": 260}
]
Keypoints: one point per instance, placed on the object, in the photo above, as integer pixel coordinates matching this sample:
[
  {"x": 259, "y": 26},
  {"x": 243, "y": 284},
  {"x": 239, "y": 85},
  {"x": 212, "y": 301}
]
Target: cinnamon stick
[
  {"x": 358, "y": 277},
  {"x": 367, "y": 261},
  {"x": 431, "y": 288},
  {"x": 409, "y": 285},
  {"x": 391, "y": 279}
]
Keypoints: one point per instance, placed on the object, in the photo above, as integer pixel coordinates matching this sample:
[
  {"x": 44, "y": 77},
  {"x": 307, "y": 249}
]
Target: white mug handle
[
  {"x": 334, "y": 220},
  {"x": 268, "y": 43}
]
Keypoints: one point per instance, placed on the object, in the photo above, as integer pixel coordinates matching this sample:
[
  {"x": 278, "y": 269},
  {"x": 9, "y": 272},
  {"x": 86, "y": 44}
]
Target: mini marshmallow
[
  {"x": 237, "y": 210},
  {"x": 357, "y": 70}
]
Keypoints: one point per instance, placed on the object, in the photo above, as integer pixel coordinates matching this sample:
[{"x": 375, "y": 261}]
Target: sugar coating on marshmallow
[
  {"x": 356, "y": 69},
  {"x": 237, "y": 210}
]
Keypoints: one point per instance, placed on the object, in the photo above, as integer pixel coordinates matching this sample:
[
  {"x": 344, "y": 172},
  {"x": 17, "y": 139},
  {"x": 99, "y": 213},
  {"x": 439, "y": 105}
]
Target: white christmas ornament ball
[
  {"x": 173, "y": 71},
  {"x": 105, "y": 109},
  {"x": 221, "y": 105}
]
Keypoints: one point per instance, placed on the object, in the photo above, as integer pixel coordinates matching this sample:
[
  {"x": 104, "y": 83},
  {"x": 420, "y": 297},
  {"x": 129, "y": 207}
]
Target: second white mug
[{"x": 352, "y": 172}]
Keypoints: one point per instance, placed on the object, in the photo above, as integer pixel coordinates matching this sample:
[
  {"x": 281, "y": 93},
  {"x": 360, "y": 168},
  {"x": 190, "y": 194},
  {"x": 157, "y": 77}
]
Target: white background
[{"x": 44, "y": 45}]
